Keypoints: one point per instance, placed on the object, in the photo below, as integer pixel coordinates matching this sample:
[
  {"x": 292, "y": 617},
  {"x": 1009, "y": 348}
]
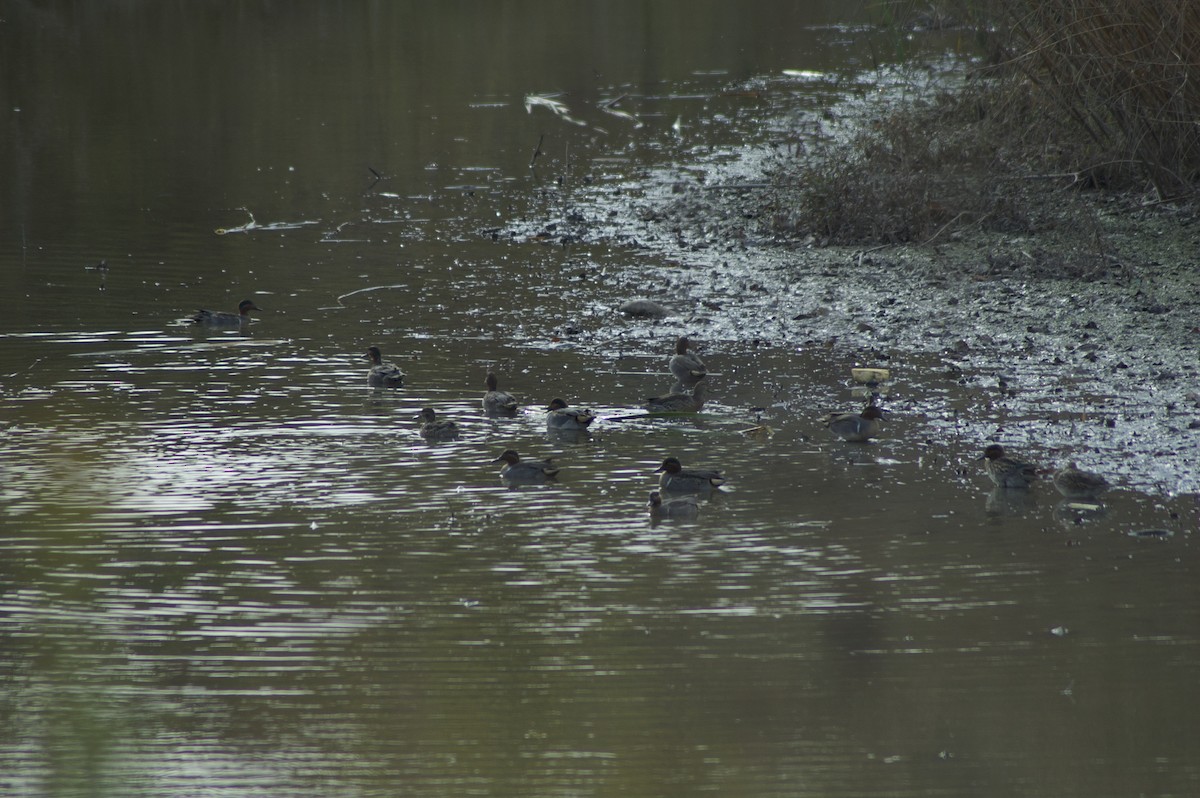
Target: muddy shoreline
[{"x": 1075, "y": 342}]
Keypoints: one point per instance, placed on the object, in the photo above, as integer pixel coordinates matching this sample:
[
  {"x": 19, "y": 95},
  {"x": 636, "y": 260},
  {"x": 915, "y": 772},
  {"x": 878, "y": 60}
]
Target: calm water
[{"x": 230, "y": 568}]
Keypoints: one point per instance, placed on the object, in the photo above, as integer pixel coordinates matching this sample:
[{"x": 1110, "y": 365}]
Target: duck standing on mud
[
  {"x": 687, "y": 367},
  {"x": 1004, "y": 470}
]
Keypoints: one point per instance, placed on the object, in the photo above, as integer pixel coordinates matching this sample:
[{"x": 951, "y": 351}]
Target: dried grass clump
[
  {"x": 916, "y": 171},
  {"x": 1127, "y": 74},
  {"x": 1077, "y": 94}
]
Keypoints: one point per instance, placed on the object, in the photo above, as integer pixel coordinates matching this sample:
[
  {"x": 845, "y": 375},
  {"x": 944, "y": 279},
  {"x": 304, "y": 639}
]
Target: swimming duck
[
  {"x": 561, "y": 417},
  {"x": 678, "y": 402},
  {"x": 497, "y": 402},
  {"x": 687, "y": 368},
  {"x": 675, "y": 479},
  {"x": 434, "y": 430},
  {"x": 1005, "y": 471},
  {"x": 1076, "y": 484},
  {"x": 382, "y": 374},
  {"x": 683, "y": 507},
  {"x": 856, "y": 427},
  {"x": 517, "y": 470},
  {"x": 213, "y": 318}
]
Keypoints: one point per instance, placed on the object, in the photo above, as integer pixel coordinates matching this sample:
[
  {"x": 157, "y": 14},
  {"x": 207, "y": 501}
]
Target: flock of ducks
[{"x": 687, "y": 396}]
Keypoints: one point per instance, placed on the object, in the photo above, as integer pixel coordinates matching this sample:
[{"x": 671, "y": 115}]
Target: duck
[
  {"x": 559, "y": 416},
  {"x": 214, "y": 318},
  {"x": 434, "y": 430},
  {"x": 681, "y": 402},
  {"x": 1076, "y": 484},
  {"x": 687, "y": 368},
  {"x": 517, "y": 470},
  {"x": 497, "y": 402},
  {"x": 675, "y": 479},
  {"x": 383, "y": 374},
  {"x": 642, "y": 309},
  {"x": 682, "y": 507},
  {"x": 856, "y": 427},
  {"x": 1005, "y": 471}
]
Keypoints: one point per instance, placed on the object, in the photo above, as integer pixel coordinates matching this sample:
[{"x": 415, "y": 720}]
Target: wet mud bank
[{"x": 1068, "y": 344}]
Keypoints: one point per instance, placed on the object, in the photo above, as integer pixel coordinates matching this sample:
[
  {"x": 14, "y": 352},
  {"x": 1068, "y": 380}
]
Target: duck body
[
  {"x": 517, "y": 470},
  {"x": 687, "y": 368},
  {"x": 856, "y": 427},
  {"x": 678, "y": 402},
  {"x": 383, "y": 374},
  {"x": 642, "y": 309},
  {"x": 497, "y": 402},
  {"x": 677, "y": 480},
  {"x": 682, "y": 507},
  {"x": 433, "y": 429},
  {"x": 214, "y": 318},
  {"x": 1076, "y": 484},
  {"x": 1005, "y": 471},
  {"x": 572, "y": 419}
]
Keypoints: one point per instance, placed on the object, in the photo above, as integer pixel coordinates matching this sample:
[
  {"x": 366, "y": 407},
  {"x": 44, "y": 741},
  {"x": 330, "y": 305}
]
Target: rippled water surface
[{"x": 228, "y": 567}]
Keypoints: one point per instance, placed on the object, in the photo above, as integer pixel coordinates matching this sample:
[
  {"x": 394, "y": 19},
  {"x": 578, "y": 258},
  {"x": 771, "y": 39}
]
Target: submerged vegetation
[{"x": 1069, "y": 95}]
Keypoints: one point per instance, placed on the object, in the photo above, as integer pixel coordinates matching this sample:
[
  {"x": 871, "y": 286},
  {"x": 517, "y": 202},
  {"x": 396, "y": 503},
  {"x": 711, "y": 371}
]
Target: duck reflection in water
[
  {"x": 681, "y": 507},
  {"x": 1008, "y": 503}
]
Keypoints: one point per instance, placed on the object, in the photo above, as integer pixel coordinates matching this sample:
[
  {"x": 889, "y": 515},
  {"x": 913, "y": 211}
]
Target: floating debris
[
  {"x": 558, "y": 108},
  {"x": 610, "y": 107},
  {"x": 253, "y": 226},
  {"x": 1151, "y": 533}
]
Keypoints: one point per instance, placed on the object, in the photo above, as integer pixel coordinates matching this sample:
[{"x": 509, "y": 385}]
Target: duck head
[
  {"x": 671, "y": 465},
  {"x": 993, "y": 452},
  {"x": 509, "y": 456}
]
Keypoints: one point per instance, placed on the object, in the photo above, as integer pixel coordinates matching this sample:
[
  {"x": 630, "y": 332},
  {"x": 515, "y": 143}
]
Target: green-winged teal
[
  {"x": 383, "y": 374},
  {"x": 682, "y": 507},
  {"x": 497, "y": 402},
  {"x": 678, "y": 402},
  {"x": 433, "y": 429},
  {"x": 687, "y": 368},
  {"x": 1005, "y": 471},
  {"x": 215, "y": 318},
  {"x": 856, "y": 427},
  {"x": 1076, "y": 484},
  {"x": 561, "y": 417},
  {"x": 675, "y": 479},
  {"x": 517, "y": 470}
]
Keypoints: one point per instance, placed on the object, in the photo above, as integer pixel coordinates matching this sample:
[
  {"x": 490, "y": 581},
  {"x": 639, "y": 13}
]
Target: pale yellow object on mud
[{"x": 870, "y": 375}]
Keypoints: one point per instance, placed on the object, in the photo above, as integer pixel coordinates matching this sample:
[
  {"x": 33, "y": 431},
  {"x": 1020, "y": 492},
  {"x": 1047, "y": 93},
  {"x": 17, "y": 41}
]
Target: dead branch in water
[{"x": 537, "y": 151}]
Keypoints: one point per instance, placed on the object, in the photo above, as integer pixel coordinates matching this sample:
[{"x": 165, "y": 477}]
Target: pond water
[{"x": 228, "y": 567}]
